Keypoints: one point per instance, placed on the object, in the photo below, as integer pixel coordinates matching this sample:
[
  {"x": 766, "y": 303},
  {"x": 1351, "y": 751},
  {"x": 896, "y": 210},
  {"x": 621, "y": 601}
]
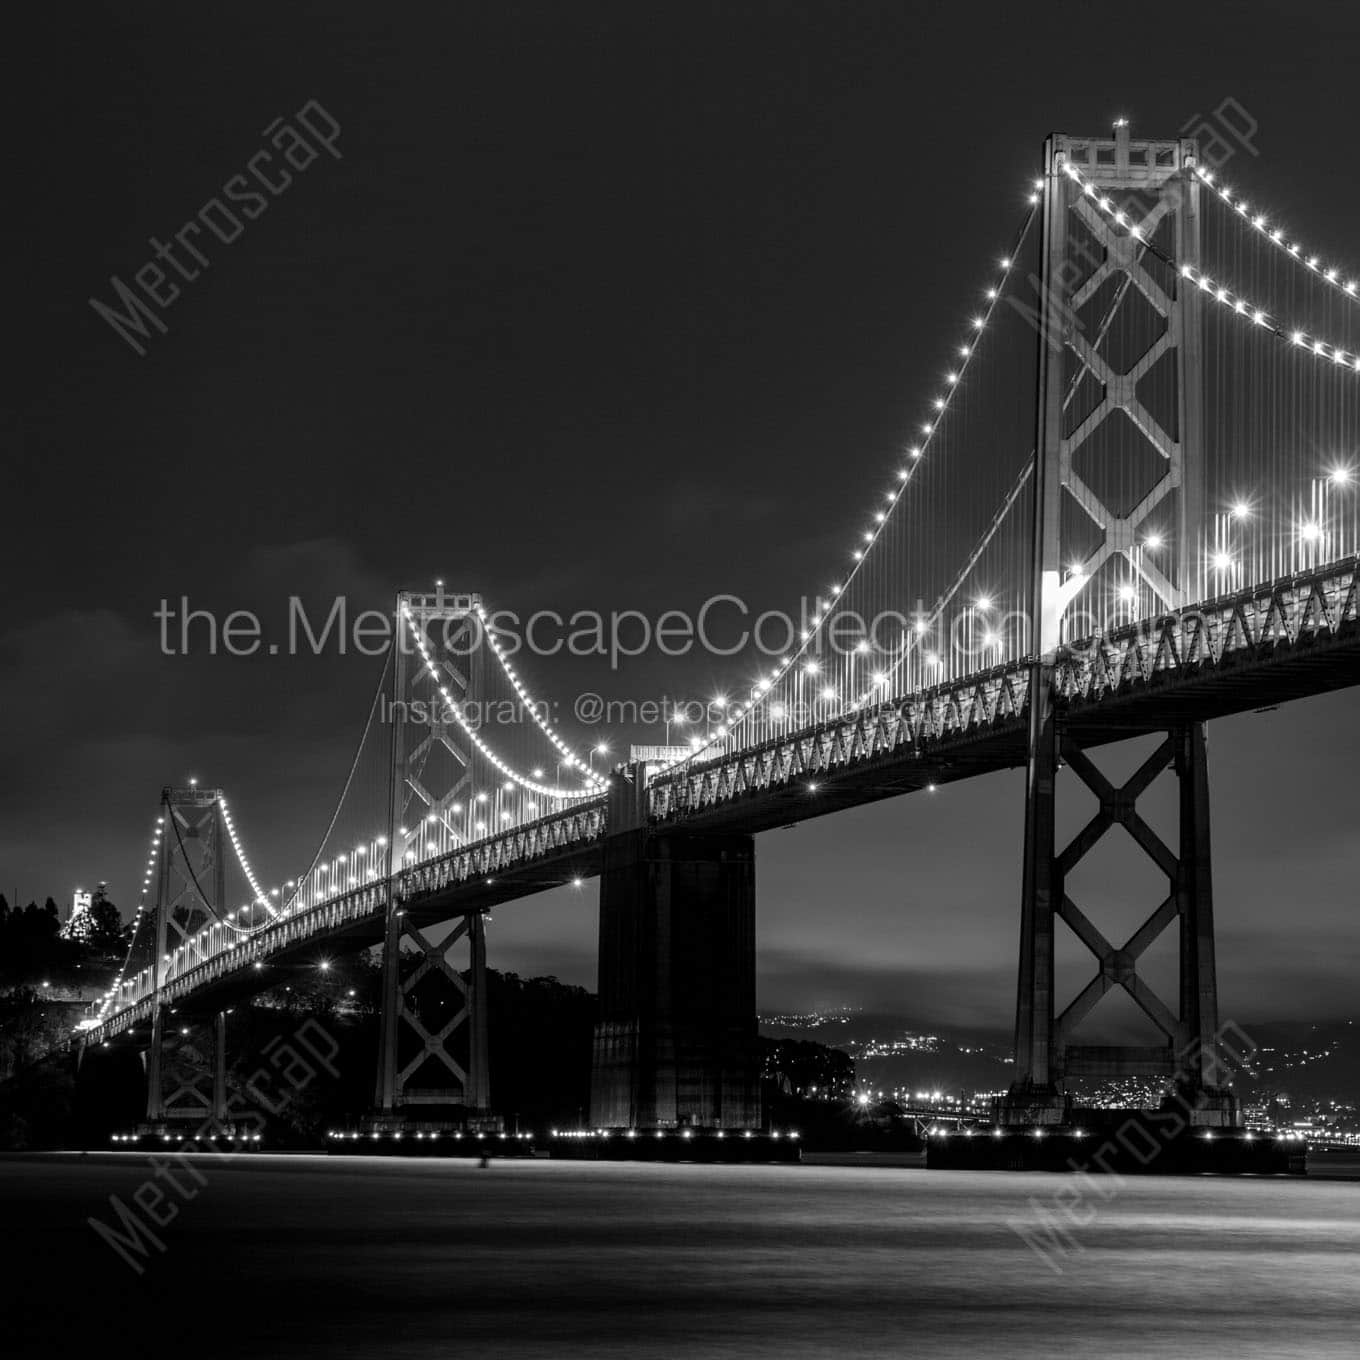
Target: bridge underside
[{"x": 1261, "y": 679}]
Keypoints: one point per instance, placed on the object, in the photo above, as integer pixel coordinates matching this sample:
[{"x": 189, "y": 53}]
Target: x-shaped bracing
[
  {"x": 1120, "y": 393},
  {"x": 1118, "y": 967},
  {"x": 436, "y": 959}
]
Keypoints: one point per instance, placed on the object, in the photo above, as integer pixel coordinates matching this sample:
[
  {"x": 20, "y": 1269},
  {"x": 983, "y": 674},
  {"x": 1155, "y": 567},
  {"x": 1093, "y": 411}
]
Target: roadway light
[
  {"x": 1241, "y": 510},
  {"x": 1153, "y": 541},
  {"x": 1339, "y": 476}
]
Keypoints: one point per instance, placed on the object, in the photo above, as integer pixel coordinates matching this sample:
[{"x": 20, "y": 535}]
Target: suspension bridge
[{"x": 1128, "y": 505}]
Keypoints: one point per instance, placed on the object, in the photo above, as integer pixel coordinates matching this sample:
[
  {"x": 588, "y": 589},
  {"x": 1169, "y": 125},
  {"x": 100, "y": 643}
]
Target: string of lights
[
  {"x": 1350, "y": 287},
  {"x": 138, "y": 917},
  {"x": 260, "y": 895},
  {"x": 925, "y": 625},
  {"x": 1235, "y": 302},
  {"x": 569, "y": 757},
  {"x": 524, "y": 781},
  {"x": 915, "y": 452}
]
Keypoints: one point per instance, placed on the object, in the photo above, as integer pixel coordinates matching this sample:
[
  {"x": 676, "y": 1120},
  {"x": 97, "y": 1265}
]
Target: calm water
[{"x": 338, "y": 1257}]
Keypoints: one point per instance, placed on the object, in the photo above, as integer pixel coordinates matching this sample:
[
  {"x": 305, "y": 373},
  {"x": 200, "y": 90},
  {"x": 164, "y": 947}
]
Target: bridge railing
[
  {"x": 245, "y": 952},
  {"x": 1305, "y": 609},
  {"x": 1299, "y": 609},
  {"x": 562, "y": 830},
  {"x": 972, "y": 704},
  {"x": 217, "y": 951}
]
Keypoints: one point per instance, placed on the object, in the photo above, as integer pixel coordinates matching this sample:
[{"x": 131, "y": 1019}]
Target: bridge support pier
[
  {"x": 219, "y": 1051},
  {"x": 155, "y": 1054},
  {"x": 418, "y": 1063},
  {"x": 676, "y": 1041},
  {"x": 1191, "y": 1052}
]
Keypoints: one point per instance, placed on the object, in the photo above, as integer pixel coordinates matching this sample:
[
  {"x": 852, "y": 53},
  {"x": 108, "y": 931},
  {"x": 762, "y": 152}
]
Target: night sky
[{"x": 601, "y": 307}]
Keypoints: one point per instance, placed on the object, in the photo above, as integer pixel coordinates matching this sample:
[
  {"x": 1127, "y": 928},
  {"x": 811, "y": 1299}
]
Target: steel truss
[
  {"x": 1190, "y": 1030},
  {"x": 463, "y": 1082},
  {"x": 190, "y": 900},
  {"x": 1224, "y": 653},
  {"x": 415, "y": 805},
  {"x": 1044, "y": 1055}
]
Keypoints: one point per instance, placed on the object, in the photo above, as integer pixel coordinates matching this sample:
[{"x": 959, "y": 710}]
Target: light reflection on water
[{"x": 422, "y": 1258}]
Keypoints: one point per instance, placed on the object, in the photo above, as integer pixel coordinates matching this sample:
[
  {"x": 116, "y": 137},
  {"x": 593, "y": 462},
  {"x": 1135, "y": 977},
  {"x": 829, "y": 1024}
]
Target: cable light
[
  {"x": 543, "y": 790},
  {"x": 527, "y": 700},
  {"x": 136, "y": 920},
  {"x": 260, "y": 895},
  {"x": 915, "y": 452},
  {"x": 1275, "y": 236},
  {"x": 1225, "y": 297}
]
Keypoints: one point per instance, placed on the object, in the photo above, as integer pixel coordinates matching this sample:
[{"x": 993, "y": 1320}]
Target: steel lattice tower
[
  {"x": 425, "y": 740},
  {"x": 1082, "y": 302}
]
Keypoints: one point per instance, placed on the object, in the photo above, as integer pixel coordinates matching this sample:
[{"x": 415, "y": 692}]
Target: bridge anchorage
[{"x": 1177, "y": 541}]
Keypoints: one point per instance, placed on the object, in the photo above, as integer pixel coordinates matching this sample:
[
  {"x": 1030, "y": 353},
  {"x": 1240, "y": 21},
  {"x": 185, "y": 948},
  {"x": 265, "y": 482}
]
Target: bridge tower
[
  {"x": 432, "y": 1048},
  {"x": 676, "y": 1040},
  {"x": 1120, "y": 381},
  {"x": 190, "y": 870}
]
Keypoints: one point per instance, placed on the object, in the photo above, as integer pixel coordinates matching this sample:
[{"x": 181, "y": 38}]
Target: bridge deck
[{"x": 1253, "y": 649}]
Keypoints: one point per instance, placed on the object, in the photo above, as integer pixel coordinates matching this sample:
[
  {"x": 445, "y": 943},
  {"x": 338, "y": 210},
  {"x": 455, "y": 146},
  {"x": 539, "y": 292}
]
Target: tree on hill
[{"x": 107, "y": 931}]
